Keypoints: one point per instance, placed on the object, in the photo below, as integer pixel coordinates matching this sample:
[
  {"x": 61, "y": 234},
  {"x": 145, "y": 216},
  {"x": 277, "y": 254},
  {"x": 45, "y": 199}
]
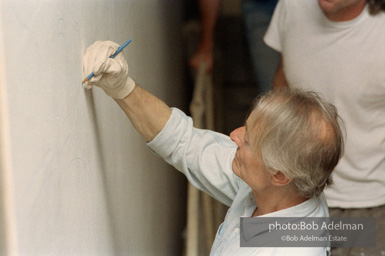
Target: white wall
[{"x": 82, "y": 181}]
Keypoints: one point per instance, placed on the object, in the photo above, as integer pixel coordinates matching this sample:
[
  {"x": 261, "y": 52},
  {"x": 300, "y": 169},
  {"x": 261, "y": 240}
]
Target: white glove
[{"x": 110, "y": 74}]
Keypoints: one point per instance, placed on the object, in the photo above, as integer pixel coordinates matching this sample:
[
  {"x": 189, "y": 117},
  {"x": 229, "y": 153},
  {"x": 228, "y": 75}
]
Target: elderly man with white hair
[{"x": 276, "y": 165}]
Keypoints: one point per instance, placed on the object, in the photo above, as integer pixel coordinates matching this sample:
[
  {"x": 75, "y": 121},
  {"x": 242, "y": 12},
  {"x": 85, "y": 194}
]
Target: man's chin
[
  {"x": 327, "y": 6},
  {"x": 235, "y": 172}
]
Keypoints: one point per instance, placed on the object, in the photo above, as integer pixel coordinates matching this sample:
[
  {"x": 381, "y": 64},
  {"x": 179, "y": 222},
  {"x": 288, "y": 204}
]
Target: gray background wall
[{"x": 79, "y": 180}]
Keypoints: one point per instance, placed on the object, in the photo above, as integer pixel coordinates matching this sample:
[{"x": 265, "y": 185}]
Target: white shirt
[
  {"x": 345, "y": 63},
  {"x": 205, "y": 157}
]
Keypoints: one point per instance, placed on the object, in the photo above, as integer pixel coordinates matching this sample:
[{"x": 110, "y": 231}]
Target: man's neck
[
  {"x": 348, "y": 13},
  {"x": 275, "y": 200}
]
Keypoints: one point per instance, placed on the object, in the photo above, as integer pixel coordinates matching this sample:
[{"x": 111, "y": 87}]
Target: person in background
[
  {"x": 337, "y": 48},
  {"x": 276, "y": 165},
  {"x": 256, "y": 15}
]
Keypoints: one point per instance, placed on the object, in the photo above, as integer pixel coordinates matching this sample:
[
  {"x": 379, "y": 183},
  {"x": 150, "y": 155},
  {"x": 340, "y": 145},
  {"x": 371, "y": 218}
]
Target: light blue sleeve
[{"x": 204, "y": 156}]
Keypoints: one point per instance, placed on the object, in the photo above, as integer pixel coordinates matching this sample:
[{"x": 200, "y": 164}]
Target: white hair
[{"x": 298, "y": 133}]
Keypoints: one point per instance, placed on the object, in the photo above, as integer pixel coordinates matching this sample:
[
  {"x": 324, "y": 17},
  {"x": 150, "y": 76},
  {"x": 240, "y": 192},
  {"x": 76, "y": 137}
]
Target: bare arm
[
  {"x": 279, "y": 78},
  {"x": 147, "y": 113},
  {"x": 209, "y": 12}
]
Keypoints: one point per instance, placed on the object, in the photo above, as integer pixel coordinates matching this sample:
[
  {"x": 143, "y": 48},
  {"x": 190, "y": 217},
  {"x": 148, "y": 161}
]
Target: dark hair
[{"x": 376, "y": 6}]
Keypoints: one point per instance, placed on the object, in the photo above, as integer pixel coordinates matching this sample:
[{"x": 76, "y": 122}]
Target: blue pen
[{"x": 112, "y": 56}]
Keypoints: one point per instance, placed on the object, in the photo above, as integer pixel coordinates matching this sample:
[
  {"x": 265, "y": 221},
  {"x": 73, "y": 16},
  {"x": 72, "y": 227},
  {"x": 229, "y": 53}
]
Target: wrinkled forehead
[
  {"x": 251, "y": 119},
  {"x": 251, "y": 125}
]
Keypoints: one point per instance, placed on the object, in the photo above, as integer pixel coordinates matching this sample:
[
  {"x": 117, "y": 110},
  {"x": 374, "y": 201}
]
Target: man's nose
[{"x": 237, "y": 135}]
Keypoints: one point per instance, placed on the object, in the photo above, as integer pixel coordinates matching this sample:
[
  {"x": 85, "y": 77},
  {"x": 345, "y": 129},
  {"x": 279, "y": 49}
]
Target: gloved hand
[{"x": 109, "y": 74}]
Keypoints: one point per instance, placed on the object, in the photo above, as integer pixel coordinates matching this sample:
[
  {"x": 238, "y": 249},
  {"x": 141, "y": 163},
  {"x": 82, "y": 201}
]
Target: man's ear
[{"x": 279, "y": 179}]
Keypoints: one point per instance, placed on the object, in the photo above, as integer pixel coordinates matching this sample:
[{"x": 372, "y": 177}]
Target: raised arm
[
  {"x": 192, "y": 151},
  {"x": 147, "y": 113},
  {"x": 209, "y": 11}
]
